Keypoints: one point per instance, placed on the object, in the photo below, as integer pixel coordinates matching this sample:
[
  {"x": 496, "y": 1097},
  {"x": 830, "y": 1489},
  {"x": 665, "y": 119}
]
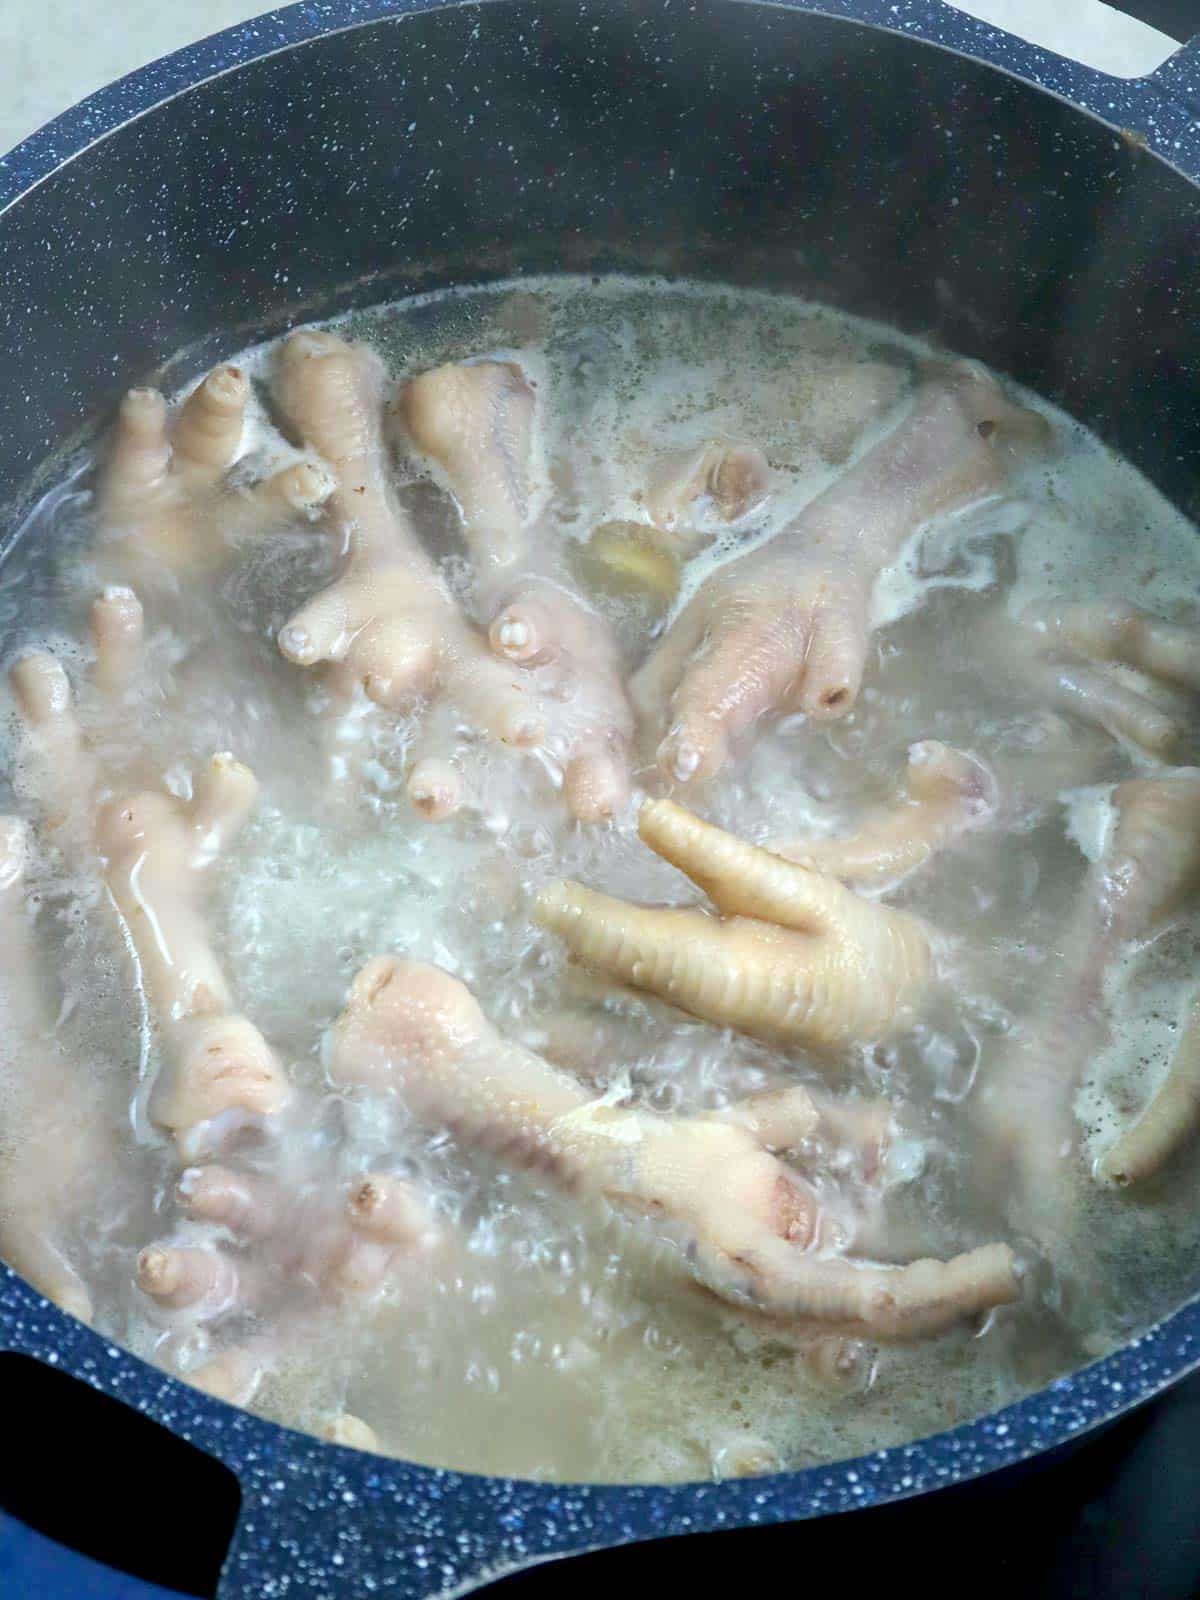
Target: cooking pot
[{"x": 894, "y": 158}]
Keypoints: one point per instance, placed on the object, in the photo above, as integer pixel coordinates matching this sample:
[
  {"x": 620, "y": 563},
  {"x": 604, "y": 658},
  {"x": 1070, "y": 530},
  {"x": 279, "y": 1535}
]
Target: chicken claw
[
  {"x": 786, "y": 626},
  {"x": 475, "y": 420},
  {"x": 793, "y": 954},
  {"x": 165, "y": 505},
  {"x": 752, "y": 1230},
  {"x": 156, "y": 851},
  {"x": 478, "y": 423},
  {"x": 1148, "y": 870},
  {"x": 388, "y": 624},
  {"x": 945, "y": 793},
  {"x": 1116, "y": 666}
]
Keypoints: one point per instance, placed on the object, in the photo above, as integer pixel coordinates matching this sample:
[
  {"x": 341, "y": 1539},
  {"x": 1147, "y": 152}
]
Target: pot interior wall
[{"x": 730, "y": 141}]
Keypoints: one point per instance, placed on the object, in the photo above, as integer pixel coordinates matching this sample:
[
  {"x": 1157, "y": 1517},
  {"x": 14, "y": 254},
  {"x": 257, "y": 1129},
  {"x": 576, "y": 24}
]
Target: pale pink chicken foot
[
  {"x": 477, "y": 422},
  {"x": 1116, "y": 666},
  {"x": 785, "y": 627},
  {"x": 792, "y": 955},
  {"x": 50, "y": 1149},
  {"x": 61, "y": 1149},
  {"x": 1149, "y": 871},
  {"x": 945, "y": 793},
  {"x": 328, "y": 1247},
  {"x": 167, "y": 508},
  {"x": 328, "y": 1243},
  {"x": 1168, "y": 1121},
  {"x": 157, "y": 850},
  {"x": 750, "y": 1228},
  {"x": 154, "y": 852},
  {"x": 388, "y": 626}
]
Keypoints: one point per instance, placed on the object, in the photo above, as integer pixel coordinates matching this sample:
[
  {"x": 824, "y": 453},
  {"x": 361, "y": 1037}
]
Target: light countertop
[{"x": 53, "y": 52}]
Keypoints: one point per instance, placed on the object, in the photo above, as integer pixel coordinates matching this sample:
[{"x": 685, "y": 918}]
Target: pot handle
[
  {"x": 1159, "y": 109},
  {"x": 1176, "y": 18},
  {"x": 1178, "y": 77},
  {"x": 313, "y": 1519}
]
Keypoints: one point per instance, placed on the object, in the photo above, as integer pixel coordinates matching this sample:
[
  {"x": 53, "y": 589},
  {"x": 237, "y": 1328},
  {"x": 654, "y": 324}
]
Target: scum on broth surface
[{"x": 555, "y": 1347}]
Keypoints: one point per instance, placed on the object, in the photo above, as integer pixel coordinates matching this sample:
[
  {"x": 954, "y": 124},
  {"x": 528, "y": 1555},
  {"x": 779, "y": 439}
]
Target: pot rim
[{"x": 528, "y": 1520}]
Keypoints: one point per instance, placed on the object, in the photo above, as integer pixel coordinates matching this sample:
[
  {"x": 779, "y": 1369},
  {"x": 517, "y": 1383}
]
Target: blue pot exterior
[{"x": 318, "y": 1520}]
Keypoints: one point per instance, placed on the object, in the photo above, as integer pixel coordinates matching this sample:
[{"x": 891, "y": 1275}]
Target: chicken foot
[
  {"x": 166, "y": 507},
  {"x": 1148, "y": 870},
  {"x": 49, "y": 1156},
  {"x": 1113, "y": 665},
  {"x": 289, "y": 1254},
  {"x": 786, "y": 626},
  {"x": 157, "y": 851},
  {"x": 154, "y": 851},
  {"x": 752, "y": 1231},
  {"x": 1170, "y": 1118},
  {"x": 388, "y": 625},
  {"x": 792, "y": 955},
  {"x": 478, "y": 423},
  {"x": 944, "y": 793}
]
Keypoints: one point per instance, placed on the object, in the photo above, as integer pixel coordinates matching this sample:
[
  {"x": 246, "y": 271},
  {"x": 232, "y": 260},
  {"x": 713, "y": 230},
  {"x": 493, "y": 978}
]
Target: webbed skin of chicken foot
[
  {"x": 477, "y": 422},
  {"x": 1149, "y": 869},
  {"x": 167, "y": 510},
  {"x": 793, "y": 955},
  {"x": 752, "y": 1230},
  {"x": 785, "y": 627},
  {"x": 944, "y": 793}
]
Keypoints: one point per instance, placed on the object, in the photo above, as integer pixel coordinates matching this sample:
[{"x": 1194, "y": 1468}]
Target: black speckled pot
[{"x": 892, "y": 157}]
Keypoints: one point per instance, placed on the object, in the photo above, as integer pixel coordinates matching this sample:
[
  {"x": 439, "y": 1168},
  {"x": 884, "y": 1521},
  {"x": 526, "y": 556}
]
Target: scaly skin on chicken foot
[{"x": 793, "y": 955}]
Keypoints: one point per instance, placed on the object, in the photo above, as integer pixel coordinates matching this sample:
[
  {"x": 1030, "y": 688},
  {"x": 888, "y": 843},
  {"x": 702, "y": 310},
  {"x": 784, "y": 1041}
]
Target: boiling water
[{"x": 548, "y": 1341}]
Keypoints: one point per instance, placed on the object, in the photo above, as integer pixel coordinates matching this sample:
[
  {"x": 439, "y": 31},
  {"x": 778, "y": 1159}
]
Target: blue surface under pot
[{"x": 891, "y": 157}]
